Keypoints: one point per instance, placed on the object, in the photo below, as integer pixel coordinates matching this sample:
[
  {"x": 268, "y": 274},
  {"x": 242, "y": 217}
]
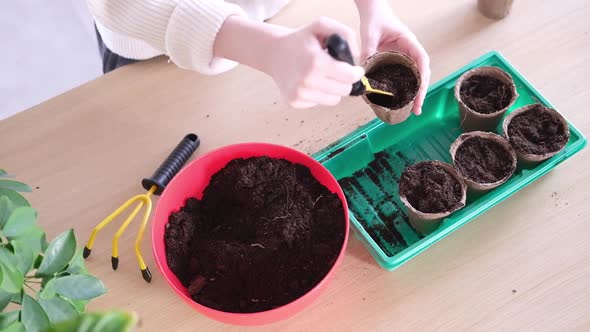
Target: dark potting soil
[
  {"x": 395, "y": 78},
  {"x": 430, "y": 189},
  {"x": 483, "y": 160},
  {"x": 537, "y": 132},
  {"x": 485, "y": 94},
  {"x": 265, "y": 233}
]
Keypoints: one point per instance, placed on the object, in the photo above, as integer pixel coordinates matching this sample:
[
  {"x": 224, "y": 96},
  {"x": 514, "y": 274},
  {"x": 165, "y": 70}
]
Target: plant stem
[{"x": 31, "y": 288}]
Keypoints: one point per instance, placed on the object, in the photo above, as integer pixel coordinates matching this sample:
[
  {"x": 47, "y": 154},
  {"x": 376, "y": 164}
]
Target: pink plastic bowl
[{"x": 192, "y": 181}]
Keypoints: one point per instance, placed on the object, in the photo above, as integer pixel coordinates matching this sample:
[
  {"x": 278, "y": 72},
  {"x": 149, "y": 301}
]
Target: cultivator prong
[{"x": 154, "y": 186}]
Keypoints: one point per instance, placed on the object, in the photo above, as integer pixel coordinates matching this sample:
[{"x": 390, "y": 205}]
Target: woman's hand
[
  {"x": 304, "y": 72},
  {"x": 381, "y": 30}
]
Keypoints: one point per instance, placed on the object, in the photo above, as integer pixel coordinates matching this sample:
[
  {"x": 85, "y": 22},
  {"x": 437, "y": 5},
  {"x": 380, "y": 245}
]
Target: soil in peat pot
[
  {"x": 395, "y": 78},
  {"x": 483, "y": 160},
  {"x": 485, "y": 94},
  {"x": 264, "y": 233},
  {"x": 537, "y": 132},
  {"x": 430, "y": 189}
]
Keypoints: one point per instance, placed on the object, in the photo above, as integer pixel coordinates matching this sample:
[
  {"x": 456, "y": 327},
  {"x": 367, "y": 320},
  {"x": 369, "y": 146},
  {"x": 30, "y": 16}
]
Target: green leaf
[
  {"x": 8, "y": 257},
  {"x": 16, "y": 198},
  {"x": 80, "y": 305},
  {"x": 58, "y": 309},
  {"x": 4, "y": 299},
  {"x": 77, "y": 265},
  {"x": 112, "y": 321},
  {"x": 20, "y": 222},
  {"x": 79, "y": 287},
  {"x": 7, "y": 318},
  {"x": 48, "y": 290},
  {"x": 33, "y": 316},
  {"x": 45, "y": 280},
  {"x": 17, "y": 297},
  {"x": 58, "y": 254},
  {"x": 16, "y": 327},
  {"x": 12, "y": 278},
  {"x": 33, "y": 238},
  {"x": 6, "y": 208},
  {"x": 24, "y": 255},
  {"x": 15, "y": 186},
  {"x": 43, "y": 242},
  {"x": 2, "y": 172}
]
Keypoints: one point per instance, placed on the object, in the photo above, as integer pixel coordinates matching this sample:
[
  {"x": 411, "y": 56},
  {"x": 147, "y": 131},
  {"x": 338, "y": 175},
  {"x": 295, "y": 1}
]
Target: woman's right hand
[{"x": 304, "y": 72}]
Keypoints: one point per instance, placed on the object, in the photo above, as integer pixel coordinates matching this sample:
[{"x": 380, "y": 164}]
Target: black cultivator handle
[{"x": 172, "y": 164}]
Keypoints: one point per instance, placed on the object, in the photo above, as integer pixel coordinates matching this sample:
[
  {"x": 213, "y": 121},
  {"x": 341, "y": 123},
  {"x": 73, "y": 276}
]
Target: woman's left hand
[{"x": 381, "y": 30}]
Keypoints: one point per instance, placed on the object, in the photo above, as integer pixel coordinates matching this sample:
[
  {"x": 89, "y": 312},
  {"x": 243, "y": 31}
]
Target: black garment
[{"x": 110, "y": 60}]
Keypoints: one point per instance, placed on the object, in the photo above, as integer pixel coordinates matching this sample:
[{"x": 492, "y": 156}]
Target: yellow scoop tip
[
  {"x": 381, "y": 92},
  {"x": 370, "y": 89}
]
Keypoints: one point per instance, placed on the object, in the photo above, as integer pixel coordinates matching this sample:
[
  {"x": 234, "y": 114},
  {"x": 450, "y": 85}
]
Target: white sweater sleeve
[{"x": 185, "y": 30}]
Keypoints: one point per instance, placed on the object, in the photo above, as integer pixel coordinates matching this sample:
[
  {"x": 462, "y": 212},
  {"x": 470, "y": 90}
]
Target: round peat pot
[
  {"x": 192, "y": 181},
  {"x": 402, "y": 104},
  {"x": 486, "y": 87},
  {"x": 536, "y": 132},
  {"x": 427, "y": 222},
  {"x": 490, "y": 159},
  {"x": 495, "y": 9}
]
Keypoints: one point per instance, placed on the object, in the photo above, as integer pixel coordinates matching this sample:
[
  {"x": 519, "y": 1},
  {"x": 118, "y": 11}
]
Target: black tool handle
[
  {"x": 172, "y": 164},
  {"x": 339, "y": 50}
]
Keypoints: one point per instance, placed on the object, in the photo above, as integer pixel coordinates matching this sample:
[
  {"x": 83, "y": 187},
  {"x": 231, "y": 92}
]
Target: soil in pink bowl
[{"x": 264, "y": 234}]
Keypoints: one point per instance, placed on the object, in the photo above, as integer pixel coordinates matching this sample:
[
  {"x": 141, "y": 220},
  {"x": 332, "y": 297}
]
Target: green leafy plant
[{"x": 44, "y": 286}]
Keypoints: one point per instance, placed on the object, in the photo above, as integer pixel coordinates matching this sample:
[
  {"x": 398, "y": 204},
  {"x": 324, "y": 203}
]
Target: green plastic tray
[{"x": 368, "y": 163}]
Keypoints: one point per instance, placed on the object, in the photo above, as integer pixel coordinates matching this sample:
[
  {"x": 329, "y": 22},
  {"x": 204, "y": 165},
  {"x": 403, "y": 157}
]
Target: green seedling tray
[{"x": 369, "y": 161}]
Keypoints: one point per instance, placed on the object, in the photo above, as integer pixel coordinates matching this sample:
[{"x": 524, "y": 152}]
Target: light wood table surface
[{"x": 523, "y": 266}]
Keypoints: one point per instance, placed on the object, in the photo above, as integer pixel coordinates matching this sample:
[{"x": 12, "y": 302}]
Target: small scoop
[
  {"x": 369, "y": 89},
  {"x": 339, "y": 50}
]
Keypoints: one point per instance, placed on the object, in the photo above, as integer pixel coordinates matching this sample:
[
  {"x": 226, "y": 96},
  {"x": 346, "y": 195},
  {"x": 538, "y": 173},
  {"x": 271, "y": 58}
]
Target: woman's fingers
[
  {"x": 306, "y": 97},
  {"x": 418, "y": 53},
  {"x": 323, "y": 27},
  {"x": 329, "y": 86}
]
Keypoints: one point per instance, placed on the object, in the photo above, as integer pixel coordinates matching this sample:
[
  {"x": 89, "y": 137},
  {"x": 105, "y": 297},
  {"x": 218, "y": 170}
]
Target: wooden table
[{"x": 524, "y": 265}]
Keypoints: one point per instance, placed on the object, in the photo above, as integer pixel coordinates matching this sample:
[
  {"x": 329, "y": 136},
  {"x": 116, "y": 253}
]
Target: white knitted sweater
[{"x": 185, "y": 30}]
